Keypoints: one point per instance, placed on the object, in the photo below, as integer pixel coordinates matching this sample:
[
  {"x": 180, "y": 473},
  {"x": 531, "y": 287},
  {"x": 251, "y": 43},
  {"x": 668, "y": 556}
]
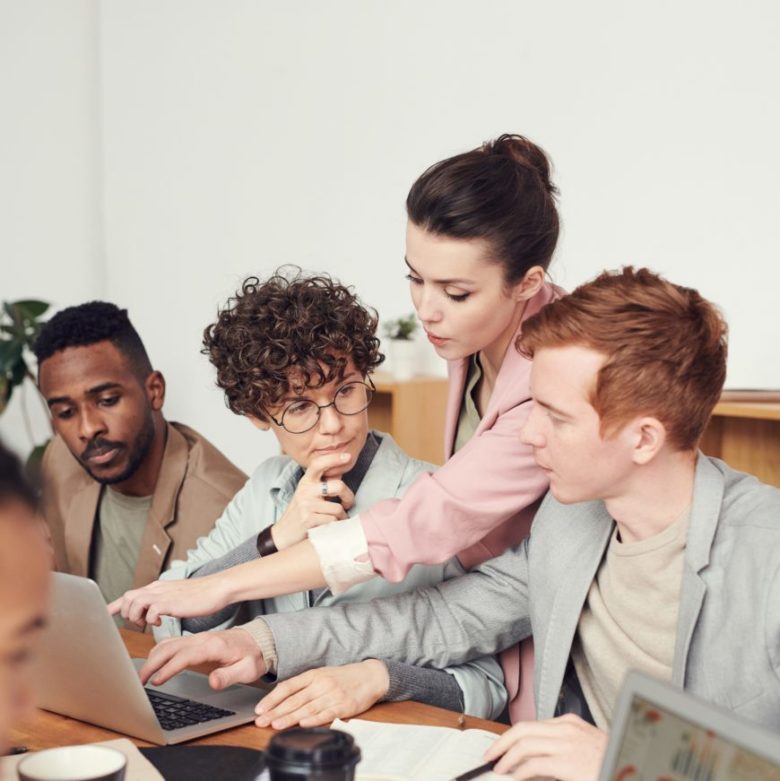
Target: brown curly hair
[{"x": 287, "y": 327}]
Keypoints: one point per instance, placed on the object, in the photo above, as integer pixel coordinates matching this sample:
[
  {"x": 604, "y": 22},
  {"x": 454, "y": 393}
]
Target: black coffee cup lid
[{"x": 316, "y": 746}]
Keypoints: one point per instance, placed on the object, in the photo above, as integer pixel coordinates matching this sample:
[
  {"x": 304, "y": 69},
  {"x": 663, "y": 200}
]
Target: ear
[
  {"x": 263, "y": 425},
  {"x": 649, "y": 438},
  {"x": 155, "y": 390},
  {"x": 529, "y": 285}
]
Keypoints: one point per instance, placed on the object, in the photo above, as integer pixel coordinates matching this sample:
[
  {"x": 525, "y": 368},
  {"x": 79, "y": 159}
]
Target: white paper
[{"x": 410, "y": 752}]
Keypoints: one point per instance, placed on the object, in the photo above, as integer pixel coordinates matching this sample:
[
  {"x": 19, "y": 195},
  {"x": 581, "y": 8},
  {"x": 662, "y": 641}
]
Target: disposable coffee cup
[
  {"x": 74, "y": 763},
  {"x": 315, "y": 754}
]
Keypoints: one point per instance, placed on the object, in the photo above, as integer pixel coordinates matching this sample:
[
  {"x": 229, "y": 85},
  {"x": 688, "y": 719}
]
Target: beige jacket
[{"x": 196, "y": 482}]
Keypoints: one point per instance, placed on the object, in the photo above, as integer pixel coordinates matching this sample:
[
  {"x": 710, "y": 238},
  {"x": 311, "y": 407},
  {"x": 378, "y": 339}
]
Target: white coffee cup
[{"x": 74, "y": 763}]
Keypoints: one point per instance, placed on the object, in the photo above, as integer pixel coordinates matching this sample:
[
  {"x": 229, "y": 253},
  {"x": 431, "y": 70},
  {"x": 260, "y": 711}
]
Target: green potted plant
[
  {"x": 402, "y": 348},
  {"x": 20, "y": 323}
]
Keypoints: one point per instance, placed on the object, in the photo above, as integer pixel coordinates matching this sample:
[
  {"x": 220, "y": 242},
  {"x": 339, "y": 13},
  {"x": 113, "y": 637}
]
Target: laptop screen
[{"x": 661, "y": 745}]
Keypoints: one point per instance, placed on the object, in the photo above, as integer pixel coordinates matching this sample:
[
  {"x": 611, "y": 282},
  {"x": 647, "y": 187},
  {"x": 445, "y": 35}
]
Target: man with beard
[{"x": 124, "y": 491}]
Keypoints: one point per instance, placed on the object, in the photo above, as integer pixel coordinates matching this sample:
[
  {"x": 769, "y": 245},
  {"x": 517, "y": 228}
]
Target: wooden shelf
[
  {"x": 746, "y": 435},
  {"x": 755, "y": 410},
  {"x": 412, "y": 412}
]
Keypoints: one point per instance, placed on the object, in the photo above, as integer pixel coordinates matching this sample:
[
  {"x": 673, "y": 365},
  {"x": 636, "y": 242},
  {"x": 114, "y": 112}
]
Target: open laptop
[
  {"x": 661, "y": 732},
  {"x": 84, "y": 671}
]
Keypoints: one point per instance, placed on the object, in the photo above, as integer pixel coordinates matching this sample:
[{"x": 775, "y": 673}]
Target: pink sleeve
[{"x": 488, "y": 481}]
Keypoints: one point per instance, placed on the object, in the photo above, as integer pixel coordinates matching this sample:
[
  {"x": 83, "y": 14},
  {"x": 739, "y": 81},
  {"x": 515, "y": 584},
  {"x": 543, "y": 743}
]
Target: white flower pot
[{"x": 403, "y": 362}]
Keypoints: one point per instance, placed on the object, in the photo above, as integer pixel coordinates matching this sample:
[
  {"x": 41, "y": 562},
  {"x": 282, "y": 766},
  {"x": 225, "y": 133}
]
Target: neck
[
  {"x": 144, "y": 480},
  {"x": 492, "y": 356},
  {"x": 656, "y": 496}
]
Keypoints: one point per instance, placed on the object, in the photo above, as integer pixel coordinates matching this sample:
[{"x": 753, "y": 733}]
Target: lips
[
  {"x": 333, "y": 448},
  {"x": 100, "y": 454},
  {"x": 437, "y": 341}
]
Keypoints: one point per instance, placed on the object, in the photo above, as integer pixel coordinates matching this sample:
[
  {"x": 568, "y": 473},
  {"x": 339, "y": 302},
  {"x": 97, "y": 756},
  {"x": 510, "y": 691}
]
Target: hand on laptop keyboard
[{"x": 234, "y": 650}]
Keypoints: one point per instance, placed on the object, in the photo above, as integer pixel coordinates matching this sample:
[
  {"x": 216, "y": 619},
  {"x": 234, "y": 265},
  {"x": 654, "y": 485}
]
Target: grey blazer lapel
[
  {"x": 703, "y": 523},
  {"x": 587, "y": 532}
]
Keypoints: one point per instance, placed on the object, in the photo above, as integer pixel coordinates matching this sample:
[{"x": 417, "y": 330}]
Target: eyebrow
[
  {"x": 552, "y": 408},
  {"x": 454, "y": 281},
  {"x": 98, "y": 389},
  {"x": 344, "y": 381}
]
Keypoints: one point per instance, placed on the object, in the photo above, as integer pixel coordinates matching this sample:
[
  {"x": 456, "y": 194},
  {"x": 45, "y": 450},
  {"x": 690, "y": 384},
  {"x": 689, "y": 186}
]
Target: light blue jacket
[{"x": 262, "y": 502}]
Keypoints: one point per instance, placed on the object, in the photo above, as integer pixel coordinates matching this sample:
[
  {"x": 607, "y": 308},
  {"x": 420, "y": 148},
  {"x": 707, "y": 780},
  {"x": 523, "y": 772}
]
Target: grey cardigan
[{"x": 728, "y": 634}]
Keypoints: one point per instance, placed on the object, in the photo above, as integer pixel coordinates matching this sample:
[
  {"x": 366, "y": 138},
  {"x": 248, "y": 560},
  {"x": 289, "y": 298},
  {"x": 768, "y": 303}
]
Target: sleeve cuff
[
  {"x": 261, "y": 633},
  {"x": 342, "y": 549}
]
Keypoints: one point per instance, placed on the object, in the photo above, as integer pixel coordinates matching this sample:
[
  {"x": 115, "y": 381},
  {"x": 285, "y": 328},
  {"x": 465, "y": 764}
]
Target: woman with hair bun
[{"x": 482, "y": 229}]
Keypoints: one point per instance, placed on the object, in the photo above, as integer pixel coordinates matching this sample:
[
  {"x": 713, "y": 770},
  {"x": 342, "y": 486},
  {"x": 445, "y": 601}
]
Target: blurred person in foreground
[{"x": 24, "y": 584}]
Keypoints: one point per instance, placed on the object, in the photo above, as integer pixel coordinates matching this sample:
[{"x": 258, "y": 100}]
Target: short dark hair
[
  {"x": 500, "y": 192},
  {"x": 90, "y": 323},
  {"x": 288, "y": 325},
  {"x": 665, "y": 348},
  {"x": 13, "y": 482}
]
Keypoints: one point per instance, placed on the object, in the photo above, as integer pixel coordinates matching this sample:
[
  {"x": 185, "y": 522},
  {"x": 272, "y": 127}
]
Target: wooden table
[{"x": 46, "y": 730}]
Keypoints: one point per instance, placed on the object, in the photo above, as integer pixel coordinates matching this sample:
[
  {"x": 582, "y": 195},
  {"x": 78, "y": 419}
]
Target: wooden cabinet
[
  {"x": 412, "y": 412},
  {"x": 746, "y": 435}
]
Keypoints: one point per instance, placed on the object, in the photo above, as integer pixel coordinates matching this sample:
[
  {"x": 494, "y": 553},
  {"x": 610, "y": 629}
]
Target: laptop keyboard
[{"x": 175, "y": 712}]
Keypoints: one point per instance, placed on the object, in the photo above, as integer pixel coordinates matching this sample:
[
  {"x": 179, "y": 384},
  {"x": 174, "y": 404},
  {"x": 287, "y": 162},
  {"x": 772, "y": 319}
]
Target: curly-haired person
[
  {"x": 124, "y": 490},
  {"x": 294, "y": 354}
]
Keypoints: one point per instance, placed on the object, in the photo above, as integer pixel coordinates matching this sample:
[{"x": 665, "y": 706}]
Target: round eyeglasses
[{"x": 350, "y": 399}]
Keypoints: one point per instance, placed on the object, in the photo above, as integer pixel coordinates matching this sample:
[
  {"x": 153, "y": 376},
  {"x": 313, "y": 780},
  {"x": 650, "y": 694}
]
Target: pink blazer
[{"x": 479, "y": 503}]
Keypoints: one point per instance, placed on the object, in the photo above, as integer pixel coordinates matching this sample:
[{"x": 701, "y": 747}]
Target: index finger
[
  {"x": 321, "y": 464},
  {"x": 520, "y": 731},
  {"x": 282, "y": 691},
  {"x": 166, "y": 659}
]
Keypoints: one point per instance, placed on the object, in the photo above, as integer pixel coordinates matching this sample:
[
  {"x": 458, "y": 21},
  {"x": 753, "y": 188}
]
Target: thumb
[{"x": 241, "y": 671}]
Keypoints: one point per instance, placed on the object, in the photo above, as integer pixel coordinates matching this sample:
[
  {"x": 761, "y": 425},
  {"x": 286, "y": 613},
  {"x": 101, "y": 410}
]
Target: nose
[
  {"x": 425, "y": 302},
  {"x": 331, "y": 422},
  {"x": 90, "y": 423},
  {"x": 531, "y": 433}
]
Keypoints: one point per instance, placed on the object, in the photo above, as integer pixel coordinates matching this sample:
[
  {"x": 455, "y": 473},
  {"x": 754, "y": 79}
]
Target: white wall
[
  {"x": 241, "y": 135},
  {"x": 50, "y": 180}
]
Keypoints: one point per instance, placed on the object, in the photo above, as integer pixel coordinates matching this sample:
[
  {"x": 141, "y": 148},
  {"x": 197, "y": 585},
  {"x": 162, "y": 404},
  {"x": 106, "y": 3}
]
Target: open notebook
[{"x": 408, "y": 752}]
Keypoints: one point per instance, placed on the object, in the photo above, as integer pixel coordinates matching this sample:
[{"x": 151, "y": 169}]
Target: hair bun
[{"x": 525, "y": 153}]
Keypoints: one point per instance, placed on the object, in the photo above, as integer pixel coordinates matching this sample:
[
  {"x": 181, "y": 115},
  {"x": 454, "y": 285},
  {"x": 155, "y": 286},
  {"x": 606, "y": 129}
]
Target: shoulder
[
  {"x": 747, "y": 502},
  {"x": 206, "y": 465},
  {"x": 391, "y": 457},
  {"x": 270, "y": 469}
]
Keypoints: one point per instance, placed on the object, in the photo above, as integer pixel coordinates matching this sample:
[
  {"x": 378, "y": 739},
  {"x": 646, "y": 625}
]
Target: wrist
[
  {"x": 229, "y": 586},
  {"x": 250, "y": 649},
  {"x": 279, "y": 538},
  {"x": 379, "y": 677}
]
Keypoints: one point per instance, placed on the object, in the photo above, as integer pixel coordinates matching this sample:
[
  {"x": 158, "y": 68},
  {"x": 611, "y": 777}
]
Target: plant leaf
[
  {"x": 31, "y": 309},
  {"x": 5, "y": 392},
  {"x": 18, "y": 372},
  {"x": 9, "y": 310},
  {"x": 10, "y": 355}
]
